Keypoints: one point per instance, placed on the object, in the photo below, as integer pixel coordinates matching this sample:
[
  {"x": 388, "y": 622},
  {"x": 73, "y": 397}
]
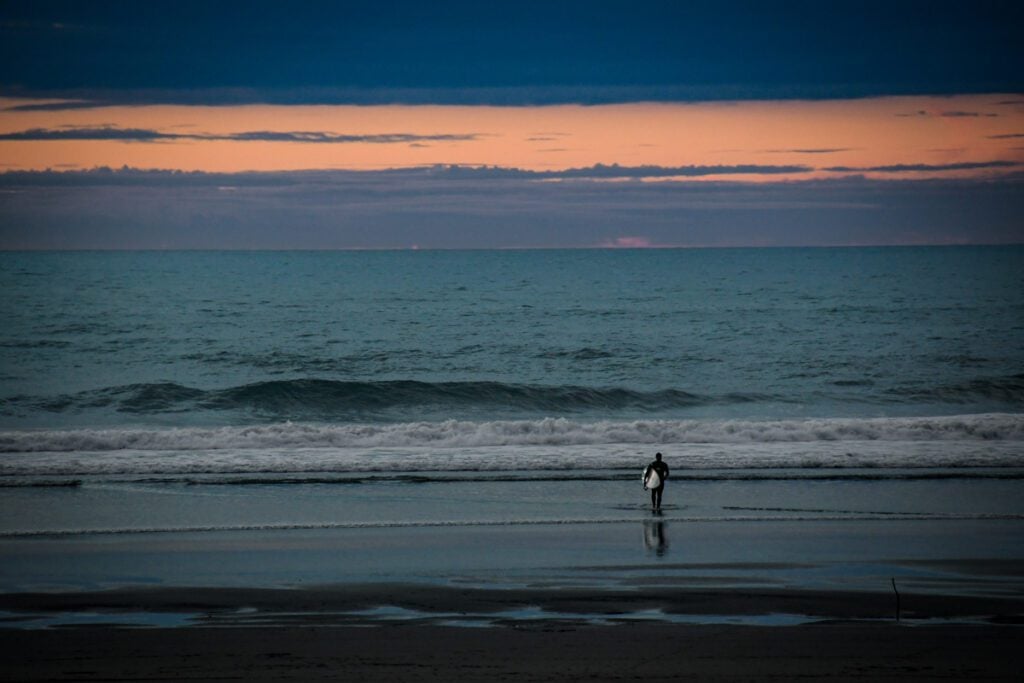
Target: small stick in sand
[{"x": 897, "y": 599}]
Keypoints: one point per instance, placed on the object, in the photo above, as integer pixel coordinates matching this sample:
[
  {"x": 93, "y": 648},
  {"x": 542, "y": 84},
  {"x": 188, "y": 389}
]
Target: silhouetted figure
[{"x": 662, "y": 469}]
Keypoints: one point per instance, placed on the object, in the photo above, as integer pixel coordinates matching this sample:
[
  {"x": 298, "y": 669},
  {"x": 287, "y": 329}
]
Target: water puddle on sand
[
  {"x": 23, "y": 620},
  {"x": 384, "y": 615},
  {"x": 391, "y": 614}
]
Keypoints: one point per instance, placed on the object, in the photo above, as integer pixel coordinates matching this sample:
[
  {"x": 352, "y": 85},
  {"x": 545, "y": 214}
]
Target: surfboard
[{"x": 651, "y": 479}]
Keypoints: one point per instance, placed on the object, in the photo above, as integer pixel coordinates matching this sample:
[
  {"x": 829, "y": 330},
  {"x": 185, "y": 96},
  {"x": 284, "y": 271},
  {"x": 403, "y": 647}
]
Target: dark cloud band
[
  {"x": 106, "y": 209},
  {"x": 910, "y": 168},
  {"x": 615, "y": 171},
  {"x": 147, "y": 135},
  {"x": 130, "y": 176},
  {"x": 948, "y": 114},
  {"x": 822, "y": 150}
]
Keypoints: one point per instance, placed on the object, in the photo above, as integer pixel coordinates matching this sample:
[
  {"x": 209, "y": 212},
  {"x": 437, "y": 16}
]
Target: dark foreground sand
[
  {"x": 326, "y": 633},
  {"x": 538, "y": 652}
]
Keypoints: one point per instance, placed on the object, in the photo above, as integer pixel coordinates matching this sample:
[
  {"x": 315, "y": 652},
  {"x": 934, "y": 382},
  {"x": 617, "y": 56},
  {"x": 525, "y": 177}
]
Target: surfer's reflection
[{"x": 654, "y": 536}]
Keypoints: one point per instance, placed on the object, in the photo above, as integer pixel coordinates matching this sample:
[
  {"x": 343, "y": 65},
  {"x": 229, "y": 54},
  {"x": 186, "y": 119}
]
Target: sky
[{"x": 363, "y": 125}]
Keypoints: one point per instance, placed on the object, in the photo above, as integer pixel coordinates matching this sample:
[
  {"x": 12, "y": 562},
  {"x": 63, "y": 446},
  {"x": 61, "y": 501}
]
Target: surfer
[{"x": 661, "y": 468}]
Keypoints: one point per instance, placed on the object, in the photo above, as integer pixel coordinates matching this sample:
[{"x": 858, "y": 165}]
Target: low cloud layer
[
  {"x": 108, "y": 133},
  {"x": 819, "y": 150},
  {"x": 919, "y": 168},
  {"x": 948, "y": 114},
  {"x": 615, "y": 171},
  {"x": 436, "y": 208}
]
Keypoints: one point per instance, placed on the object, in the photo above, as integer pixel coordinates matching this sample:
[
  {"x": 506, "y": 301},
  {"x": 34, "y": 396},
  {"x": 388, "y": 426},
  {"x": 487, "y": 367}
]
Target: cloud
[
  {"x": 143, "y": 177},
  {"x": 636, "y": 242},
  {"x": 507, "y": 95},
  {"x": 117, "y": 209},
  {"x": 910, "y": 168},
  {"x": 966, "y": 114},
  {"x": 442, "y": 174},
  {"x": 318, "y": 137},
  {"x": 547, "y": 136},
  {"x": 823, "y": 150},
  {"x": 147, "y": 135},
  {"x": 1006, "y": 136},
  {"x": 65, "y": 105},
  {"x": 511, "y": 95},
  {"x": 948, "y": 114},
  {"x": 102, "y": 133},
  {"x": 615, "y": 171}
]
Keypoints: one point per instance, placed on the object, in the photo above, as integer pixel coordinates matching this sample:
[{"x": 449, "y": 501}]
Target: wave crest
[
  {"x": 320, "y": 398},
  {"x": 352, "y": 401},
  {"x": 544, "y": 432}
]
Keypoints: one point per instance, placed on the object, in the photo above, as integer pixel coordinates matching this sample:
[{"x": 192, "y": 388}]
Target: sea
[{"x": 216, "y": 392}]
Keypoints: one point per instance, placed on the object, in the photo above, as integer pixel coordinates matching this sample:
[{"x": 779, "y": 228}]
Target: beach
[
  {"x": 427, "y": 466},
  {"x": 511, "y": 341},
  {"x": 484, "y": 602},
  {"x": 840, "y": 652},
  {"x": 431, "y": 633}
]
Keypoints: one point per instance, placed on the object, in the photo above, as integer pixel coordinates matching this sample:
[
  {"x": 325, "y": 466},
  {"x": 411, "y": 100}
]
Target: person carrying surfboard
[{"x": 654, "y": 479}]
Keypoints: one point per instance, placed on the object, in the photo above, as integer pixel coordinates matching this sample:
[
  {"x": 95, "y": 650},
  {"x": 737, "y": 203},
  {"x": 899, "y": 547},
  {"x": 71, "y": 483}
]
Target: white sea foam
[
  {"x": 969, "y": 441},
  {"x": 272, "y": 465},
  {"x": 544, "y": 432}
]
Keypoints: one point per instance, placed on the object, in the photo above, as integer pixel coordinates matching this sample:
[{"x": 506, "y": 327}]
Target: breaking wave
[
  {"x": 319, "y": 398},
  {"x": 322, "y": 400},
  {"x": 543, "y": 432}
]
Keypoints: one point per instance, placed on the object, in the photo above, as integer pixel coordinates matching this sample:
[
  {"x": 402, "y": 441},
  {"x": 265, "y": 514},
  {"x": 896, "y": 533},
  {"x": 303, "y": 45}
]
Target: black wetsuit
[{"x": 661, "y": 468}]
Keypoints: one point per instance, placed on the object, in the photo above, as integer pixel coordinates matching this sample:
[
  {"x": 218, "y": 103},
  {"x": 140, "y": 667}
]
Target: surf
[{"x": 540, "y": 432}]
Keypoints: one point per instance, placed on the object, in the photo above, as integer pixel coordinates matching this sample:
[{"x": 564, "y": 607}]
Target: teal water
[
  {"x": 219, "y": 391},
  {"x": 222, "y": 338}
]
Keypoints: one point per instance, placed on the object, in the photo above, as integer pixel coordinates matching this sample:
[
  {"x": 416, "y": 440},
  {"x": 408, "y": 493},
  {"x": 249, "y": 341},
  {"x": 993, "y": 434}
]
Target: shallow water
[{"x": 122, "y": 506}]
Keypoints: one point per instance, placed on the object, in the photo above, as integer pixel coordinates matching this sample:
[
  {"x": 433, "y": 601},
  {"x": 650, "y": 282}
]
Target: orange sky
[{"x": 862, "y": 133}]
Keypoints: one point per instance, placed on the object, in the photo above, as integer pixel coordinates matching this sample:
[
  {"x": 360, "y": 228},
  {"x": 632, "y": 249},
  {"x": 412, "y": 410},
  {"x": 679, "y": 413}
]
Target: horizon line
[{"x": 897, "y": 245}]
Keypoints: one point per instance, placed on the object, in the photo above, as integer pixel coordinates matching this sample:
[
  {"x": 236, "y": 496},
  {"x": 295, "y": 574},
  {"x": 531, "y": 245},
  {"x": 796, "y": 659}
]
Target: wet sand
[
  {"x": 828, "y": 555},
  {"x": 431, "y": 604},
  {"x": 727, "y": 601},
  {"x": 538, "y": 652},
  {"x": 393, "y": 632}
]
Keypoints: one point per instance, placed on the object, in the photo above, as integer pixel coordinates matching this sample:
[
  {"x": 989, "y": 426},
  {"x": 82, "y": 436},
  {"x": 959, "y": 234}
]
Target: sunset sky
[{"x": 391, "y": 125}]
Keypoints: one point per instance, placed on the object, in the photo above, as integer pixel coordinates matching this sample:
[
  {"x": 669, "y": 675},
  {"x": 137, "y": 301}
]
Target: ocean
[{"x": 213, "y": 393}]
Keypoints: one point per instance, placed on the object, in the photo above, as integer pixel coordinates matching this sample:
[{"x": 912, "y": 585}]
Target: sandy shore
[
  {"x": 387, "y": 632},
  {"x": 537, "y": 652},
  {"x": 727, "y": 602}
]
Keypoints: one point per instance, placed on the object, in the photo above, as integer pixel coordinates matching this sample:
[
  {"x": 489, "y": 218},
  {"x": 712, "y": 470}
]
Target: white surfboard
[{"x": 651, "y": 479}]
